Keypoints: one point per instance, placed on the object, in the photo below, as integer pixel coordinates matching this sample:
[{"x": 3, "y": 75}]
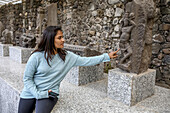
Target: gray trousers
[{"x": 41, "y": 105}]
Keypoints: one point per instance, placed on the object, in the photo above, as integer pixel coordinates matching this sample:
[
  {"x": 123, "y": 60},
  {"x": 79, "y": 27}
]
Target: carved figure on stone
[
  {"x": 136, "y": 36},
  {"x": 40, "y": 17},
  {"x": 127, "y": 25},
  {"x": 7, "y": 37},
  {"x": 18, "y": 40},
  {"x": 40, "y": 24},
  {"x": 18, "y": 33},
  {"x": 28, "y": 40},
  {"x": 1, "y": 29},
  {"x": 44, "y": 24}
]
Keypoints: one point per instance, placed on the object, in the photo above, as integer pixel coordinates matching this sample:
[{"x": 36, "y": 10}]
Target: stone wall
[
  {"x": 30, "y": 11},
  {"x": 161, "y": 44},
  {"x": 9, "y": 16},
  {"x": 93, "y": 23}
]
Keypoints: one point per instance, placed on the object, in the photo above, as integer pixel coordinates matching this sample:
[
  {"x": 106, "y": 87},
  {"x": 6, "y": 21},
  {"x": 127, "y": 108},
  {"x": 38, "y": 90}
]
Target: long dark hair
[{"x": 47, "y": 44}]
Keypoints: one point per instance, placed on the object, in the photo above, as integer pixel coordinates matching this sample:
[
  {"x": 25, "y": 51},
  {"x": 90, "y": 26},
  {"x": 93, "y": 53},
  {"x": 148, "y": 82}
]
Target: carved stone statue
[
  {"x": 7, "y": 37},
  {"x": 40, "y": 23},
  {"x": 1, "y": 29},
  {"x": 126, "y": 50},
  {"x": 136, "y": 36},
  {"x": 28, "y": 40},
  {"x": 18, "y": 33}
]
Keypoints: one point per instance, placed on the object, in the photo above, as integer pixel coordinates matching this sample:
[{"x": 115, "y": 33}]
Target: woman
[{"x": 47, "y": 67}]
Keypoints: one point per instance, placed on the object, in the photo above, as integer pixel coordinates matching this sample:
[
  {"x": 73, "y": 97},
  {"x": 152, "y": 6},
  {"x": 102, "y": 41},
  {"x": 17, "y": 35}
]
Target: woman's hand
[
  {"x": 113, "y": 54},
  {"x": 49, "y": 90}
]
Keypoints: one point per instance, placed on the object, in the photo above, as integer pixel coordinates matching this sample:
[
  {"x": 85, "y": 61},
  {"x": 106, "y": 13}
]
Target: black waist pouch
[{"x": 53, "y": 95}]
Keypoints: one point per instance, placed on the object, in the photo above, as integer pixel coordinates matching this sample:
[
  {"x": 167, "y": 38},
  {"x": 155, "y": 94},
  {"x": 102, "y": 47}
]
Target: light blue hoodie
[{"x": 39, "y": 77}]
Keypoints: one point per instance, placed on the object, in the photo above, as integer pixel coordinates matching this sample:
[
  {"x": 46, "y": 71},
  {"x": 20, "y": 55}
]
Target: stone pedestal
[
  {"x": 83, "y": 75},
  {"x": 4, "y": 49},
  {"x": 9, "y": 98},
  {"x": 20, "y": 54},
  {"x": 130, "y": 88}
]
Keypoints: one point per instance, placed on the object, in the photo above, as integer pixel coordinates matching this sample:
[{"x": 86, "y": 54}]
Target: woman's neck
[{"x": 55, "y": 52}]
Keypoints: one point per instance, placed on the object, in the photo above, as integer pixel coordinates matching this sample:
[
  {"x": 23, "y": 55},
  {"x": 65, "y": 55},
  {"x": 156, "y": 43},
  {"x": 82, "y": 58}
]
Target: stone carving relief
[
  {"x": 18, "y": 34},
  {"x": 127, "y": 25},
  {"x": 27, "y": 40},
  {"x": 41, "y": 23},
  {"x": 7, "y": 37},
  {"x": 1, "y": 29},
  {"x": 136, "y": 36}
]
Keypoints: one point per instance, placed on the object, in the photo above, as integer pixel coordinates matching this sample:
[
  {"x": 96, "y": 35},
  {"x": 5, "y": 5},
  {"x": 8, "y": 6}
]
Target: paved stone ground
[{"x": 90, "y": 98}]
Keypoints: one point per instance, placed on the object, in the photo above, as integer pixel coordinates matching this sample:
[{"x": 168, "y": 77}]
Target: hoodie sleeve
[
  {"x": 28, "y": 78},
  {"x": 89, "y": 61}
]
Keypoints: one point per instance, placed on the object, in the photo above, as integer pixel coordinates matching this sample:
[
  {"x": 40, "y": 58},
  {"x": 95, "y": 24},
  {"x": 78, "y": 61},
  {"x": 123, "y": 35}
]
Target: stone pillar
[
  {"x": 24, "y": 9},
  {"x": 19, "y": 54},
  {"x": 9, "y": 98},
  {"x": 4, "y": 49},
  {"x": 130, "y": 88},
  {"x": 52, "y": 19},
  {"x": 81, "y": 75}
]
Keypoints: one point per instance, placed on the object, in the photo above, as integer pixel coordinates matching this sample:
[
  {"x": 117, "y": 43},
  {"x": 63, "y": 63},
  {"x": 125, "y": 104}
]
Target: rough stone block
[
  {"x": 164, "y": 27},
  {"x": 20, "y": 54},
  {"x": 83, "y": 75},
  {"x": 4, "y": 49},
  {"x": 131, "y": 88},
  {"x": 9, "y": 98}
]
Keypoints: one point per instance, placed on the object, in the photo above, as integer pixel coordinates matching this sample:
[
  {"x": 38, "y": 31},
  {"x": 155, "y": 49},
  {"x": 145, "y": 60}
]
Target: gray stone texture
[
  {"x": 1, "y": 29},
  {"x": 166, "y": 18},
  {"x": 156, "y": 48},
  {"x": 158, "y": 38},
  {"x": 113, "y": 1},
  {"x": 28, "y": 40},
  {"x": 9, "y": 98},
  {"x": 4, "y": 49},
  {"x": 7, "y": 37},
  {"x": 130, "y": 88},
  {"x": 52, "y": 15},
  {"x": 89, "y": 23},
  {"x": 20, "y": 54},
  {"x": 84, "y": 75},
  {"x": 11, "y": 84},
  {"x": 118, "y": 12},
  {"x": 161, "y": 45}
]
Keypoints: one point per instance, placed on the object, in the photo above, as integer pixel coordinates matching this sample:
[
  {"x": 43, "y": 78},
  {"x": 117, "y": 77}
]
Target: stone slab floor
[{"x": 90, "y": 98}]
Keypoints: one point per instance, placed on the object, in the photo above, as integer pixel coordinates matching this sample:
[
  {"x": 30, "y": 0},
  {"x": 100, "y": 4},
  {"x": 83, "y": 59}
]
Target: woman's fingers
[
  {"x": 114, "y": 56},
  {"x": 49, "y": 90},
  {"x": 116, "y": 51}
]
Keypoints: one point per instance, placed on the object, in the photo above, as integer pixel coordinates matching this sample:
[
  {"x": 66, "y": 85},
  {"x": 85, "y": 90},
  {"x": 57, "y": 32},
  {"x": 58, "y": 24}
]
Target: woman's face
[{"x": 59, "y": 40}]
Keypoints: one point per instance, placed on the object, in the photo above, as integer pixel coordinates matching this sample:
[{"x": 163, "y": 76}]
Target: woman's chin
[{"x": 62, "y": 46}]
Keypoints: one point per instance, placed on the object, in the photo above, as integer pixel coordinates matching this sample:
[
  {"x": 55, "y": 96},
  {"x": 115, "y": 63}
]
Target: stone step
[{"x": 90, "y": 98}]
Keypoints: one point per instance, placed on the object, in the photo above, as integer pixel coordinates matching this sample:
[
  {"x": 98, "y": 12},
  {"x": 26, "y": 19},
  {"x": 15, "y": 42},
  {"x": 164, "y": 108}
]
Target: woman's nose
[{"x": 63, "y": 39}]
